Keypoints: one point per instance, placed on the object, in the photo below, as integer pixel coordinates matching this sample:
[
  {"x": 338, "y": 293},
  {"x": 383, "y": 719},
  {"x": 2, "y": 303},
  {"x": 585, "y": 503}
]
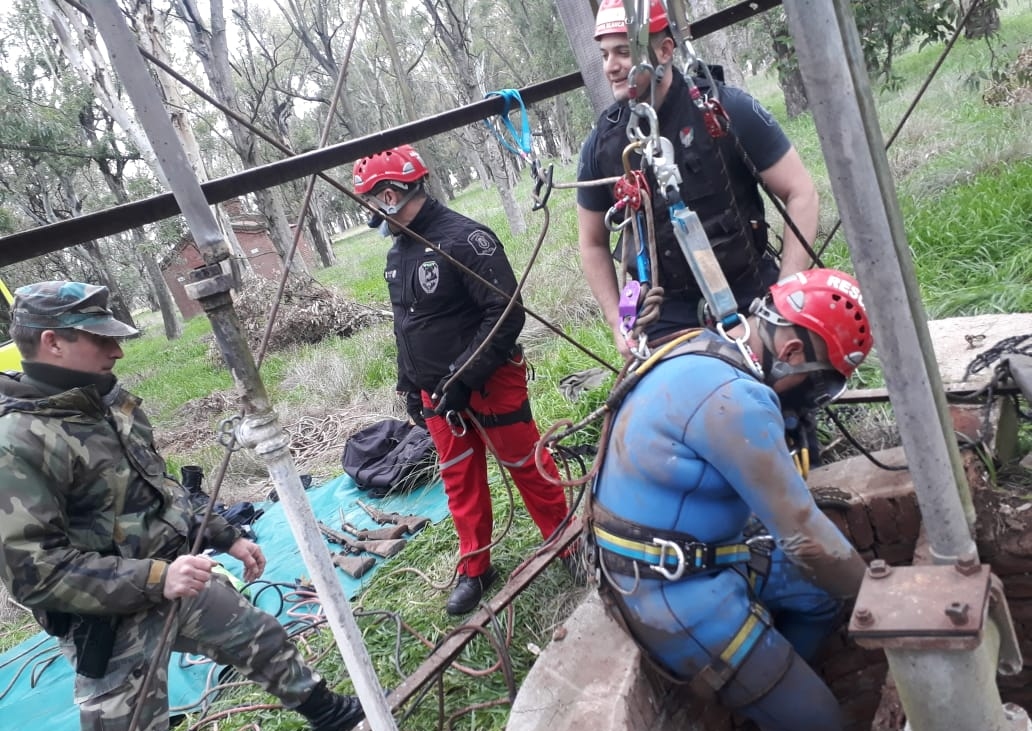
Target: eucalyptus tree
[
  {"x": 321, "y": 26},
  {"x": 152, "y": 31},
  {"x": 50, "y": 144},
  {"x": 209, "y": 39},
  {"x": 886, "y": 28},
  {"x": 113, "y": 170},
  {"x": 294, "y": 93},
  {"x": 452, "y": 23},
  {"x": 530, "y": 45}
]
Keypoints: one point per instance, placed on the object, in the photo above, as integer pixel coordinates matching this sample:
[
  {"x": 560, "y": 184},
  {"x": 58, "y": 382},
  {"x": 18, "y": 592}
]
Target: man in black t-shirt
[{"x": 717, "y": 183}]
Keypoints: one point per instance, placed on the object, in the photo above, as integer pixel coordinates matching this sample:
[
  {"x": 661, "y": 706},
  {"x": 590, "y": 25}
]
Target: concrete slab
[{"x": 591, "y": 679}]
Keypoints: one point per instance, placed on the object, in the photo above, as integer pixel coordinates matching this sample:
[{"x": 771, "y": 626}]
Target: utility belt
[
  {"x": 522, "y": 414},
  {"x": 632, "y": 549}
]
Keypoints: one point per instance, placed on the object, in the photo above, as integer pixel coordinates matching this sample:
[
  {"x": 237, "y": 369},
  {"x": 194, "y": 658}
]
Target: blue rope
[{"x": 521, "y": 138}]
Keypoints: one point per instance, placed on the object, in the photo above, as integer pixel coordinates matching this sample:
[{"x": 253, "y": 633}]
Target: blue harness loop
[{"x": 521, "y": 140}]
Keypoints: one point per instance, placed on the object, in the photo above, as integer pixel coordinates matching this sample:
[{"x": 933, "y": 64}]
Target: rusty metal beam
[
  {"x": 56, "y": 236},
  {"x": 91, "y": 226},
  {"x": 445, "y": 653},
  {"x": 954, "y": 393}
]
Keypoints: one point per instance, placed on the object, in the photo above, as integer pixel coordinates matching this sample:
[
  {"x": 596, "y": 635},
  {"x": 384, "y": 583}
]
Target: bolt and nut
[
  {"x": 878, "y": 569},
  {"x": 864, "y": 617}
]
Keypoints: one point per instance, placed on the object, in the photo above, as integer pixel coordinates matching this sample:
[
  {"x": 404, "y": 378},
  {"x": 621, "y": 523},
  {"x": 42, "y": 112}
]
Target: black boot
[
  {"x": 468, "y": 591},
  {"x": 329, "y": 711},
  {"x": 193, "y": 477}
]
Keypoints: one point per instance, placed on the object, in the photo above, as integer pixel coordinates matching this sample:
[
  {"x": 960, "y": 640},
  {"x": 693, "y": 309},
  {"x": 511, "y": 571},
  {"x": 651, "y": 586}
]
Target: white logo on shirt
[
  {"x": 429, "y": 276},
  {"x": 483, "y": 243}
]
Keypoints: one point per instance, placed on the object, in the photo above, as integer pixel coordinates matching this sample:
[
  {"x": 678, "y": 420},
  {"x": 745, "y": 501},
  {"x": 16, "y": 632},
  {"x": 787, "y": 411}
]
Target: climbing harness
[{"x": 629, "y": 547}]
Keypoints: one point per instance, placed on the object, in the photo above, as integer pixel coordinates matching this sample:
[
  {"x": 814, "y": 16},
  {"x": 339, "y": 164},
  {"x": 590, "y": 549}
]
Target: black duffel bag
[{"x": 390, "y": 456}]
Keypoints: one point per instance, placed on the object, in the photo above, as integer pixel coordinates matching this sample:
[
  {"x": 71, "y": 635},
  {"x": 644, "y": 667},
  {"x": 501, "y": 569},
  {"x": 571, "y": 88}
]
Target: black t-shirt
[{"x": 760, "y": 134}]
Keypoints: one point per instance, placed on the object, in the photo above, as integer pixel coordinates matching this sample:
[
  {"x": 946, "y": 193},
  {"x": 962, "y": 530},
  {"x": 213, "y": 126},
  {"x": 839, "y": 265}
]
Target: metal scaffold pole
[
  {"x": 944, "y": 658},
  {"x": 259, "y": 428}
]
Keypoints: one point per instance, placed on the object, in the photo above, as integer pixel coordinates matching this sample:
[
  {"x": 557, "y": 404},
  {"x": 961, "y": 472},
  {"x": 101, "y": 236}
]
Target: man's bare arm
[
  {"x": 597, "y": 264},
  {"x": 790, "y": 181}
]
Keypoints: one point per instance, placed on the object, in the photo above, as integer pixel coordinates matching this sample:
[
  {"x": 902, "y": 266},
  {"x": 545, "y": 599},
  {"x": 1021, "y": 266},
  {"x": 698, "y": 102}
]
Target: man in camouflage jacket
[{"x": 95, "y": 537}]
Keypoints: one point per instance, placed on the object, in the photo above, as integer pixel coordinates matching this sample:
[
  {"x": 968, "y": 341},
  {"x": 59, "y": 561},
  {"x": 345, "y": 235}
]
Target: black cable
[{"x": 859, "y": 447}]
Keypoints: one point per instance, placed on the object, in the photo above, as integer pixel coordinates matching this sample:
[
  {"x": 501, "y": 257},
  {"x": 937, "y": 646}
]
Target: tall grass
[{"x": 964, "y": 176}]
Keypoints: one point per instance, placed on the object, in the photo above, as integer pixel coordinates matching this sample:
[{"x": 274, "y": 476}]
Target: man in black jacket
[{"x": 459, "y": 365}]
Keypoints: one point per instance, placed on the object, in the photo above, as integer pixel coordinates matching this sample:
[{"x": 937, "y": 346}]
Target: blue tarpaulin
[{"x": 36, "y": 681}]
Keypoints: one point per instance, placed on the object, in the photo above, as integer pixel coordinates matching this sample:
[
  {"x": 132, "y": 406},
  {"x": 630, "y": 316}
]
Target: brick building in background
[{"x": 252, "y": 233}]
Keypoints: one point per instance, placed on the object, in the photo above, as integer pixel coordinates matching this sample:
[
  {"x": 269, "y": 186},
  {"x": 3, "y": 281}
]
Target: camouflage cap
[{"x": 73, "y": 305}]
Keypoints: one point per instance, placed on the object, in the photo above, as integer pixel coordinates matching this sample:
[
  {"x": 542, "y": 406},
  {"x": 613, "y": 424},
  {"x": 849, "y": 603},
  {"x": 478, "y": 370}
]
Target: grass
[{"x": 964, "y": 177}]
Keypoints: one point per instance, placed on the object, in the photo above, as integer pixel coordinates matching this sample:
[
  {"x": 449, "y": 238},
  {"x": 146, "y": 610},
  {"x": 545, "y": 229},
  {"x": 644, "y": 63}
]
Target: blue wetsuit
[{"x": 696, "y": 448}]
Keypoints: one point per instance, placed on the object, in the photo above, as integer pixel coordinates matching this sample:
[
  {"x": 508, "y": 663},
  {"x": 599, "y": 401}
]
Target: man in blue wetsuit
[{"x": 696, "y": 449}]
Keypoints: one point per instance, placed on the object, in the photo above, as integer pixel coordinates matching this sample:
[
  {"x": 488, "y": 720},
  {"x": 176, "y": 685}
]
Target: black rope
[{"x": 858, "y": 446}]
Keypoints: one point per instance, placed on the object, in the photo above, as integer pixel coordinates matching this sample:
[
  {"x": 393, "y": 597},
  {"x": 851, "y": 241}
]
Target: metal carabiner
[
  {"x": 676, "y": 552},
  {"x": 634, "y": 132},
  {"x": 542, "y": 184},
  {"x": 456, "y": 423},
  {"x": 742, "y": 344},
  {"x": 613, "y": 210},
  {"x": 641, "y": 351}
]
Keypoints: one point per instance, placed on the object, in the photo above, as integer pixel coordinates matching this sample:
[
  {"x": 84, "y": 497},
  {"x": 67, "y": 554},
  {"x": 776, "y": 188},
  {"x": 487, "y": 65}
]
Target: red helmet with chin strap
[
  {"x": 400, "y": 165},
  {"x": 828, "y": 303},
  {"x": 612, "y": 18}
]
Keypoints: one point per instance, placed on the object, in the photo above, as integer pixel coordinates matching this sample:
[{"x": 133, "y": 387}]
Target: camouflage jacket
[{"x": 88, "y": 517}]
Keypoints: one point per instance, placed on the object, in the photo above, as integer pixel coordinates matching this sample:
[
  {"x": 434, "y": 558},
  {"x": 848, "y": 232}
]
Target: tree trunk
[
  {"x": 548, "y": 134},
  {"x": 578, "y": 18},
  {"x": 271, "y": 203},
  {"x": 453, "y": 34},
  {"x": 151, "y": 29},
  {"x": 212, "y": 47},
  {"x": 96, "y": 73},
  {"x": 719, "y": 47},
  {"x": 117, "y": 303},
  {"x": 166, "y": 305},
  {"x": 791, "y": 82},
  {"x": 565, "y": 134},
  {"x": 319, "y": 241},
  {"x": 984, "y": 21}
]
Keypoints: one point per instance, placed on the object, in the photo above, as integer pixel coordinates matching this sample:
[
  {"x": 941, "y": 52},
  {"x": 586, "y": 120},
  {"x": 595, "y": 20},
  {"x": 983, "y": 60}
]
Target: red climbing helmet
[
  {"x": 612, "y": 18},
  {"x": 399, "y": 165},
  {"x": 829, "y": 303}
]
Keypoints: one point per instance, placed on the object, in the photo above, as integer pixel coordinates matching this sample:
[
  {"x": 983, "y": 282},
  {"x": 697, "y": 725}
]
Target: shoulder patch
[{"x": 483, "y": 243}]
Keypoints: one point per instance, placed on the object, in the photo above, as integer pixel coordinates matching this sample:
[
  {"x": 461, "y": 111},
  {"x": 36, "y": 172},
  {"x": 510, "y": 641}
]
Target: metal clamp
[
  {"x": 669, "y": 548},
  {"x": 227, "y": 433}
]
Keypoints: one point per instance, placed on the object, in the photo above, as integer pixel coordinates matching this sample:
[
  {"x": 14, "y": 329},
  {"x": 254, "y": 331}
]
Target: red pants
[{"x": 464, "y": 466}]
